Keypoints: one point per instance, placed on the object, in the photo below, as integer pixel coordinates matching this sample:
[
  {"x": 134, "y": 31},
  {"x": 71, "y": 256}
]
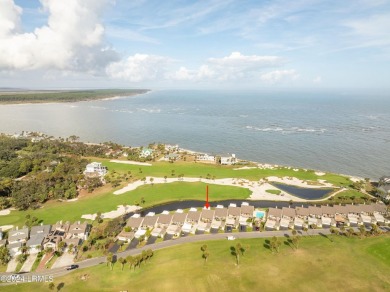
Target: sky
[{"x": 195, "y": 44}]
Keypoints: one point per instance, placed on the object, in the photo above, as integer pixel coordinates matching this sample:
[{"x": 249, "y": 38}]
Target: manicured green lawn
[
  {"x": 350, "y": 193},
  {"x": 161, "y": 169},
  {"x": 51, "y": 212},
  {"x": 346, "y": 264}
]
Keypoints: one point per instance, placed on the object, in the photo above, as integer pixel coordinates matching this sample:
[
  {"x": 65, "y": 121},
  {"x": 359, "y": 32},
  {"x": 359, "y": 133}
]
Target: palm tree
[
  {"x": 130, "y": 261},
  {"x": 144, "y": 180},
  {"x": 122, "y": 262},
  {"x": 143, "y": 200},
  {"x": 150, "y": 253},
  {"x": 362, "y": 231},
  {"x": 110, "y": 258},
  {"x": 165, "y": 178},
  {"x": 151, "y": 180},
  {"x": 205, "y": 256}
]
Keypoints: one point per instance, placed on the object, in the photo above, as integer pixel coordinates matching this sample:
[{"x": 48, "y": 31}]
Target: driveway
[
  {"x": 114, "y": 248},
  {"x": 65, "y": 260},
  {"x": 12, "y": 265},
  {"x": 29, "y": 263},
  {"x": 133, "y": 244},
  {"x": 151, "y": 240}
]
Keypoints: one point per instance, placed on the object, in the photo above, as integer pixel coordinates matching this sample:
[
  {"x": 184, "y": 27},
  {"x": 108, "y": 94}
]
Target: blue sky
[{"x": 195, "y": 44}]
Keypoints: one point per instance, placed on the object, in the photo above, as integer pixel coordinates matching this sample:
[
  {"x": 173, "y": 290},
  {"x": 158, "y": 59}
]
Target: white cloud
[
  {"x": 236, "y": 66},
  {"x": 278, "y": 75},
  {"x": 137, "y": 68},
  {"x": 72, "y": 39}
]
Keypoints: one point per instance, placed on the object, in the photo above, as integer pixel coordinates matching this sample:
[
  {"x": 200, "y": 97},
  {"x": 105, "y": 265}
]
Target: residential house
[
  {"x": 164, "y": 220},
  {"x": 135, "y": 221},
  {"x": 37, "y": 235},
  {"x": 286, "y": 221},
  {"x": 125, "y": 236},
  {"x": 226, "y": 160},
  {"x": 146, "y": 152},
  {"x": 206, "y": 218},
  {"x": 383, "y": 189},
  {"x": 205, "y": 158},
  {"x": 95, "y": 168},
  {"x": 52, "y": 240},
  {"x": 61, "y": 228},
  {"x": 18, "y": 235},
  {"x": 149, "y": 222},
  {"x": 78, "y": 230}
]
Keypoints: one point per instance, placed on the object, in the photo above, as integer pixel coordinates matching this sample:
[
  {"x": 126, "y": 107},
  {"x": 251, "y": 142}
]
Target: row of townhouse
[
  {"x": 178, "y": 222},
  {"x": 46, "y": 236},
  {"x": 326, "y": 216}
]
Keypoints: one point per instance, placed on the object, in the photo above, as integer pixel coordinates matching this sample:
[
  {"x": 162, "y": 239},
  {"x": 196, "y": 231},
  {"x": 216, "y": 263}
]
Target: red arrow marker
[{"x": 207, "y": 205}]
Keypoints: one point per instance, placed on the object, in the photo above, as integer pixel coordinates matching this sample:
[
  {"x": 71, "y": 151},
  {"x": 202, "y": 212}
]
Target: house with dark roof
[{"x": 37, "y": 235}]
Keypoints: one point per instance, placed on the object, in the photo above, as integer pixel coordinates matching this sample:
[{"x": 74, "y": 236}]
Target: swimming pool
[{"x": 260, "y": 214}]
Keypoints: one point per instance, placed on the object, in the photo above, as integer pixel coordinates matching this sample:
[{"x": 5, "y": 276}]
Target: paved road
[{"x": 165, "y": 244}]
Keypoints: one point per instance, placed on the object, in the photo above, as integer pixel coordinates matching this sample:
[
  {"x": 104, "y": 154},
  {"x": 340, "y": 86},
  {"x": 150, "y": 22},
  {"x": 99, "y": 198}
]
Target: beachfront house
[
  {"x": 205, "y": 158},
  {"x": 95, "y": 169},
  {"x": 146, "y": 152},
  {"x": 228, "y": 160},
  {"x": 172, "y": 157},
  {"x": 383, "y": 189}
]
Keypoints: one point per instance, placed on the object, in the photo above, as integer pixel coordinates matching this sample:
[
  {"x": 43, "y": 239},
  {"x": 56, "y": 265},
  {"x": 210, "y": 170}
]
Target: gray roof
[
  {"x": 313, "y": 210},
  {"x": 40, "y": 229},
  {"x": 275, "y": 212},
  {"x": 193, "y": 216},
  {"x": 221, "y": 212},
  {"x": 134, "y": 222},
  {"x": 234, "y": 211},
  {"x": 247, "y": 210},
  {"x": 16, "y": 235},
  {"x": 150, "y": 221},
  {"x": 379, "y": 207},
  {"x": 367, "y": 208},
  {"x": 35, "y": 240},
  {"x": 328, "y": 210},
  {"x": 207, "y": 214},
  {"x": 302, "y": 211},
  {"x": 179, "y": 218},
  {"x": 164, "y": 219},
  {"x": 61, "y": 226},
  {"x": 289, "y": 212}
]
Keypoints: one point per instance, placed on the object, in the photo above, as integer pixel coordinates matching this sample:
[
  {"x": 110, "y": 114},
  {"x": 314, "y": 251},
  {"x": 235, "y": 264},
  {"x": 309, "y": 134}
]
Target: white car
[{"x": 231, "y": 238}]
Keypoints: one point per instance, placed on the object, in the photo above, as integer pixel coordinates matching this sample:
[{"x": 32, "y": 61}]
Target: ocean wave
[
  {"x": 151, "y": 111},
  {"x": 290, "y": 130}
]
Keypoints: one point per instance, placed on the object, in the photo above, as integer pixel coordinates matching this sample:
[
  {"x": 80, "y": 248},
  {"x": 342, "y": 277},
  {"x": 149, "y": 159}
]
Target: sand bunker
[
  {"x": 121, "y": 210},
  {"x": 131, "y": 162}
]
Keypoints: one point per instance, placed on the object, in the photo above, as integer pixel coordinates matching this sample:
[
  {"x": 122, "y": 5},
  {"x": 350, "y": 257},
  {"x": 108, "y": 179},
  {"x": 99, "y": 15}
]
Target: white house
[
  {"x": 383, "y": 192},
  {"x": 146, "y": 152},
  {"x": 95, "y": 168},
  {"x": 226, "y": 160},
  {"x": 205, "y": 157}
]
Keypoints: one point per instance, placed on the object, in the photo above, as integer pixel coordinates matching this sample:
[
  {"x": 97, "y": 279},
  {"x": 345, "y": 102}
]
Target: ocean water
[{"x": 330, "y": 131}]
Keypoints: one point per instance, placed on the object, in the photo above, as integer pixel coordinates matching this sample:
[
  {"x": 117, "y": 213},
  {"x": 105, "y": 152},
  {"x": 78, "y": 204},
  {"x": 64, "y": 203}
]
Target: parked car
[
  {"x": 72, "y": 267},
  {"x": 231, "y": 238}
]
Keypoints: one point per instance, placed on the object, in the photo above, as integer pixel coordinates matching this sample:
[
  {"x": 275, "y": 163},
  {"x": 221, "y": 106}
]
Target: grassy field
[
  {"x": 346, "y": 264},
  {"x": 51, "y": 212},
  {"x": 64, "y": 96}
]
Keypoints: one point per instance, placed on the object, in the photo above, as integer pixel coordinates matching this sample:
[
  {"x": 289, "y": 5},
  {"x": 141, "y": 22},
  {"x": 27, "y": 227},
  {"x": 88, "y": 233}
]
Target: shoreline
[{"x": 103, "y": 97}]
